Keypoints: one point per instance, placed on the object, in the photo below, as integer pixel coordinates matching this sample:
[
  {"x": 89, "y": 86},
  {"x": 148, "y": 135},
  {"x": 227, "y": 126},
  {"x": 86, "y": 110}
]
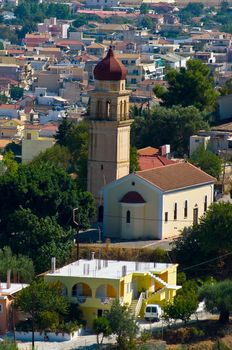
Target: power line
[
  {"x": 148, "y": 219},
  {"x": 206, "y": 262}
]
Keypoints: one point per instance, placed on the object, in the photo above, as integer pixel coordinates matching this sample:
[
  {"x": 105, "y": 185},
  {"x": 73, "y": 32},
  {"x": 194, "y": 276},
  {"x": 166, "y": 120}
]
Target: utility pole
[{"x": 76, "y": 222}]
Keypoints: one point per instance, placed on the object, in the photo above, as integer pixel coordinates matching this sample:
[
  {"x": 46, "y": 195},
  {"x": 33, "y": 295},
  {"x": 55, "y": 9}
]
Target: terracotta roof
[
  {"x": 176, "y": 176},
  {"x": 148, "y": 151},
  {"x": 132, "y": 197},
  {"x": 4, "y": 143},
  {"x": 156, "y": 161},
  {"x": 110, "y": 68},
  {"x": 9, "y": 106}
]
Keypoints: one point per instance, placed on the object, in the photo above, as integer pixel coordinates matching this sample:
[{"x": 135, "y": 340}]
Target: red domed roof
[{"x": 110, "y": 68}]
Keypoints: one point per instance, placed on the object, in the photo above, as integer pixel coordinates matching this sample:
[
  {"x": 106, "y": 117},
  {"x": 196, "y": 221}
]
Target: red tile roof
[
  {"x": 9, "y": 106},
  {"x": 148, "y": 151},
  {"x": 146, "y": 162},
  {"x": 176, "y": 176}
]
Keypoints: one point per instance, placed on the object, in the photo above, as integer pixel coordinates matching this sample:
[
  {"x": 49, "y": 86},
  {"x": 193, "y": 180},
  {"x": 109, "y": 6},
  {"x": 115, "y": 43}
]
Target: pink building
[{"x": 7, "y": 294}]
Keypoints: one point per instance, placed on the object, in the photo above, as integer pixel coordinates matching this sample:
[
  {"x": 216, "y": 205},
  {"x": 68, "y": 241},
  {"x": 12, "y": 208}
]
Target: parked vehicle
[{"x": 152, "y": 312}]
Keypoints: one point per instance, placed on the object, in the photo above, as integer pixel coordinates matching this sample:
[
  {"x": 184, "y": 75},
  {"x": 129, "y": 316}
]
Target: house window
[
  {"x": 185, "y": 209},
  {"x": 175, "y": 211},
  {"x": 1, "y": 308},
  {"x": 107, "y": 109},
  {"x": 205, "y": 203},
  {"x": 28, "y": 136},
  {"x": 133, "y": 81},
  {"x": 128, "y": 217},
  {"x": 195, "y": 216},
  {"x": 166, "y": 216}
]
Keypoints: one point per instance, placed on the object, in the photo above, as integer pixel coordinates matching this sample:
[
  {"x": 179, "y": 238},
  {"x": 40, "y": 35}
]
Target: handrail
[{"x": 139, "y": 304}]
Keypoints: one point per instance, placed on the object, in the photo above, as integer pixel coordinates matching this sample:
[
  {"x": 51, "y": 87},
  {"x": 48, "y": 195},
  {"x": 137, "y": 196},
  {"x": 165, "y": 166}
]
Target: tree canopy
[
  {"x": 44, "y": 304},
  {"x": 161, "y": 125},
  {"x": 204, "y": 248},
  {"x": 207, "y": 161},
  {"x": 189, "y": 86},
  {"x": 36, "y": 214},
  {"x": 218, "y": 296},
  {"x": 122, "y": 324}
]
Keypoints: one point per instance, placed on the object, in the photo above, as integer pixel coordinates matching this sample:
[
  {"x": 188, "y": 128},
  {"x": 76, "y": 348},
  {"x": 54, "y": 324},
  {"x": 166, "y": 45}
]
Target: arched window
[
  {"x": 128, "y": 217},
  {"x": 121, "y": 109},
  {"x": 107, "y": 109},
  {"x": 186, "y": 209},
  {"x": 175, "y": 211},
  {"x": 125, "y": 111},
  {"x": 99, "y": 108},
  {"x": 205, "y": 203}
]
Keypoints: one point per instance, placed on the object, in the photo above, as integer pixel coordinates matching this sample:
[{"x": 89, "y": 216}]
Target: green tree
[
  {"x": 134, "y": 159},
  {"x": 11, "y": 166},
  {"x": 16, "y": 92},
  {"x": 226, "y": 88},
  {"x": 20, "y": 266},
  {"x": 46, "y": 190},
  {"x": 8, "y": 345},
  {"x": 123, "y": 325},
  {"x": 208, "y": 244},
  {"x": 1, "y": 45},
  {"x": 174, "y": 126},
  {"x": 218, "y": 296},
  {"x": 191, "y": 10},
  {"x": 144, "y": 9},
  {"x": 207, "y": 161},
  {"x": 41, "y": 238},
  {"x": 75, "y": 138},
  {"x": 57, "y": 155},
  {"x": 189, "y": 86},
  {"x": 43, "y": 303},
  {"x": 101, "y": 328},
  {"x": 184, "y": 304}
]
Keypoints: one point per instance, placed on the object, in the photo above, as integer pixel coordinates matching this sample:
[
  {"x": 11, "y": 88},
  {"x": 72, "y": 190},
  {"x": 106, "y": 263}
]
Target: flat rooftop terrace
[{"x": 111, "y": 269}]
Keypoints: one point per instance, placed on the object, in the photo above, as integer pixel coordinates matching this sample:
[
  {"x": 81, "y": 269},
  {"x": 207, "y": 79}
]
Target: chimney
[
  {"x": 53, "y": 264},
  {"x": 8, "y": 283}
]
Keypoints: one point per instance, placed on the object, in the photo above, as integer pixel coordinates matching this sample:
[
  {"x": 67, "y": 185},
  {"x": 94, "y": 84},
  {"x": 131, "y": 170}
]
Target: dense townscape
[{"x": 115, "y": 174}]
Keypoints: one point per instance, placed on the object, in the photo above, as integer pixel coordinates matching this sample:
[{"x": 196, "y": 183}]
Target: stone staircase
[{"x": 133, "y": 306}]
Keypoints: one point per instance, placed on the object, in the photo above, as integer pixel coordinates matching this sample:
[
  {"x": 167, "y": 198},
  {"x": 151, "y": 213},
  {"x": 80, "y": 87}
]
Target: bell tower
[{"x": 109, "y": 126}]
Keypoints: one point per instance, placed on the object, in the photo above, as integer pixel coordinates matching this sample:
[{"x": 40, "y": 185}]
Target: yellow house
[
  {"x": 10, "y": 128},
  {"x": 33, "y": 143},
  {"x": 156, "y": 203},
  {"x": 94, "y": 284}
]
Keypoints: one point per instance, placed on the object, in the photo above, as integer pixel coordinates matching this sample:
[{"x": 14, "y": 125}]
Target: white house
[{"x": 156, "y": 203}]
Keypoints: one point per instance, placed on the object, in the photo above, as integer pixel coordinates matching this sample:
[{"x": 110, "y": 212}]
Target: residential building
[
  {"x": 174, "y": 61},
  {"x": 156, "y": 203},
  {"x": 8, "y": 292},
  {"x": 225, "y": 107},
  {"x": 96, "y": 49},
  {"x": 218, "y": 139},
  {"x": 109, "y": 125},
  {"x": 150, "y": 157},
  {"x": 140, "y": 68},
  {"x": 94, "y": 284},
  {"x": 11, "y": 128},
  {"x": 57, "y": 29},
  {"x": 101, "y": 3},
  {"x": 9, "y": 110},
  {"x": 36, "y": 140}
]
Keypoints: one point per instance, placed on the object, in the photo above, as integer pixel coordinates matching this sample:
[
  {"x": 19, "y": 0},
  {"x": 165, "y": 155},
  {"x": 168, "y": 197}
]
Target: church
[{"x": 155, "y": 203}]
